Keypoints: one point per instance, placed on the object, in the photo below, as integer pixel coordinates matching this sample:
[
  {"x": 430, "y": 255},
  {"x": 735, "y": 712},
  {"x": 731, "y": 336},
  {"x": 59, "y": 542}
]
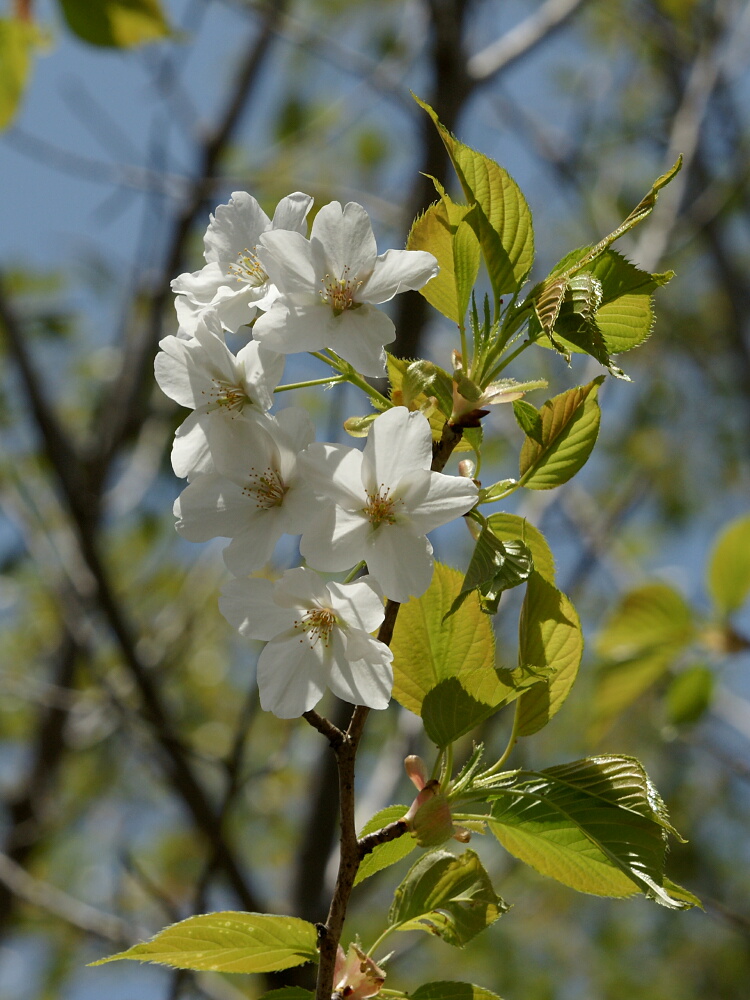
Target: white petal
[
  {"x": 400, "y": 561},
  {"x": 432, "y": 498},
  {"x": 359, "y": 604},
  {"x": 234, "y": 228},
  {"x": 398, "y": 271},
  {"x": 363, "y": 681},
  {"x": 250, "y": 607},
  {"x": 291, "y": 677},
  {"x": 335, "y": 471},
  {"x": 243, "y": 448},
  {"x": 171, "y": 371},
  {"x": 358, "y": 336},
  {"x": 291, "y": 264},
  {"x": 291, "y": 212},
  {"x": 347, "y": 238},
  {"x": 288, "y": 329},
  {"x": 399, "y": 442},
  {"x": 253, "y": 547},
  {"x": 212, "y": 507},
  {"x": 191, "y": 453},
  {"x": 301, "y": 588},
  {"x": 336, "y": 539}
]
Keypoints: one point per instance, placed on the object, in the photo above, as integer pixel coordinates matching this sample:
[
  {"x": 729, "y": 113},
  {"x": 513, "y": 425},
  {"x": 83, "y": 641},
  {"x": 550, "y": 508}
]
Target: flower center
[
  {"x": 339, "y": 293},
  {"x": 266, "y": 488},
  {"x": 226, "y": 395},
  {"x": 248, "y": 269},
  {"x": 317, "y": 623},
  {"x": 381, "y": 507}
]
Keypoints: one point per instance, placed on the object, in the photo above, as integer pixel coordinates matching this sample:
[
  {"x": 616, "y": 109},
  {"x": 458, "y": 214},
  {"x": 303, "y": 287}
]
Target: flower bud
[{"x": 356, "y": 976}]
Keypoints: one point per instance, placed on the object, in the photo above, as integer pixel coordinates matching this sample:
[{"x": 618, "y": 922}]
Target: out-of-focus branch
[
  {"x": 126, "y": 398},
  {"x": 519, "y": 41}
]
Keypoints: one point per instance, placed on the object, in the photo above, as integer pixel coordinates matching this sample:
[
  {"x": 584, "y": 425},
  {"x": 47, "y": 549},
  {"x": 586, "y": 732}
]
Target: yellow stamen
[
  {"x": 339, "y": 292},
  {"x": 381, "y": 507},
  {"x": 248, "y": 269},
  {"x": 267, "y": 488},
  {"x": 317, "y": 623}
]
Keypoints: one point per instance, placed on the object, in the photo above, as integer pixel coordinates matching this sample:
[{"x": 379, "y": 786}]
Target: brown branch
[
  {"x": 383, "y": 836},
  {"x": 326, "y": 728}
]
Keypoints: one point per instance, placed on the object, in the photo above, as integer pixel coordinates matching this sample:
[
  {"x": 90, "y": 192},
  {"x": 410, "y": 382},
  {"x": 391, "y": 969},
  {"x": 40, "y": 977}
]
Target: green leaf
[
  {"x": 444, "y": 669},
  {"x": 427, "y": 651},
  {"x": 388, "y": 854},
  {"x": 597, "y": 825},
  {"x": 288, "y": 993},
  {"x": 649, "y": 616},
  {"x": 452, "y": 991},
  {"x": 116, "y": 23},
  {"x": 570, "y": 425},
  {"x": 501, "y": 217},
  {"x": 229, "y": 942},
  {"x": 623, "y": 316},
  {"x": 17, "y": 40},
  {"x": 728, "y": 578},
  {"x": 432, "y": 231},
  {"x": 550, "y": 636},
  {"x": 689, "y": 695},
  {"x": 528, "y": 419},
  {"x": 466, "y": 259},
  {"x": 446, "y": 895},
  {"x": 491, "y": 494},
  {"x": 619, "y": 684},
  {"x": 509, "y": 526},
  {"x": 495, "y": 566}
]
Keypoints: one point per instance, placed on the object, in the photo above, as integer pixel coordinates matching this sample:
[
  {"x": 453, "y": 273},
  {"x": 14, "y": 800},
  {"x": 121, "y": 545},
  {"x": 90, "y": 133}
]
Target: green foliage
[
  {"x": 570, "y": 425},
  {"x": 510, "y": 526},
  {"x": 229, "y": 942},
  {"x": 689, "y": 695},
  {"x": 451, "y": 897},
  {"x": 444, "y": 666},
  {"x": 647, "y": 632},
  {"x": 452, "y": 991},
  {"x": 116, "y": 23},
  {"x": 443, "y": 231},
  {"x": 501, "y": 218},
  {"x": 596, "y": 825},
  {"x": 18, "y": 38},
  {"x": 384, "y": 855},
  {"x": 728, "y": 578},
  {"x": 495, "y": 566},
  {"x": 551, "y": 641}
]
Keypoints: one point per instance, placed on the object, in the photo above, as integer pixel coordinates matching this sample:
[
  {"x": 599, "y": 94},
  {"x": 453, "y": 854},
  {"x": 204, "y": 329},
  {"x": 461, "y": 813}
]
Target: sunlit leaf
[
  {"x": 384, "y": 855},
  {"x": 116, "y": 23},
  {"x": 648, "y": 616},
  {"x": 452, "y": 991},
  {"x": 689, "y": 695},
  {"x": 570, "y": 425},
  {"x": 509, "y": 526},
  {"x": 422, "y": 385},
  {"x": 728, "y": 579},
  {"x": 495, "y": 566},
  {"x": 502, "y": 219},
  {"x": 17, "y": 41},
  {"x": 451, "y": 897},
  {"x": 550, "y": 636},
  {"x": 597, "y": 825},
  {"x": 229, "y": 942}
]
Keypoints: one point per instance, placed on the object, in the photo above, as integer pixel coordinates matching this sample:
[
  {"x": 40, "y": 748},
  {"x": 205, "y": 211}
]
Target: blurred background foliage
[{"x": 140, "y": 781}]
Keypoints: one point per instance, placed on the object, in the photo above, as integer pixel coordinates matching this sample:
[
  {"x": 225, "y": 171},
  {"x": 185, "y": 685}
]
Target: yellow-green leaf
[
  {"x": 729, "y": 569},
  {"x": 570, "y": 425},
  {"x": 550, "y": 636},
  {"x": 428, "y": 651},
  {"x": 452, "y": 991},
  {"x": 502, "y": 219},
  {"x": 446, "y": 895},
  {"x": 510, "y": 526},
  {"x": 621, "y": 683},
  {"x": 17, "y": 40},
  {"x": 384, "y": 855},
  {"x": 229, "y": 942},
  {"x": 654, "y": 615},
  {"x": 431, "y": 231},
  {"x": 116, "y": 23}
]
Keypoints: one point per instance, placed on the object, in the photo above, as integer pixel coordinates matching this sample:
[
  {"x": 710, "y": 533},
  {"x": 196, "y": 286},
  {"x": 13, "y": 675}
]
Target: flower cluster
[{"x": 254, "y": 475}]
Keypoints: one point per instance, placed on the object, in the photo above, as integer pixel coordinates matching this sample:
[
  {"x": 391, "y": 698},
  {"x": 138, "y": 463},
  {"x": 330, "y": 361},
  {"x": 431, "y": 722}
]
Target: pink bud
[
  {"x": 416, "y": 771},
  {"x": 356, "y": 976}
]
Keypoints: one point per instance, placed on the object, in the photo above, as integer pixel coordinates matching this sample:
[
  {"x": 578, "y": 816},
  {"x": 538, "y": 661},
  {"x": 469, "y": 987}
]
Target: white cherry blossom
[
  {"x": 318, "y": 637},
  {"x": 233, "y": 282},
  {"x": 202, "y": 374},
  {"x": 386, "y": 499},
  {"x": 256, "y": 493},
  {"x": 330, "y": 285}
]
